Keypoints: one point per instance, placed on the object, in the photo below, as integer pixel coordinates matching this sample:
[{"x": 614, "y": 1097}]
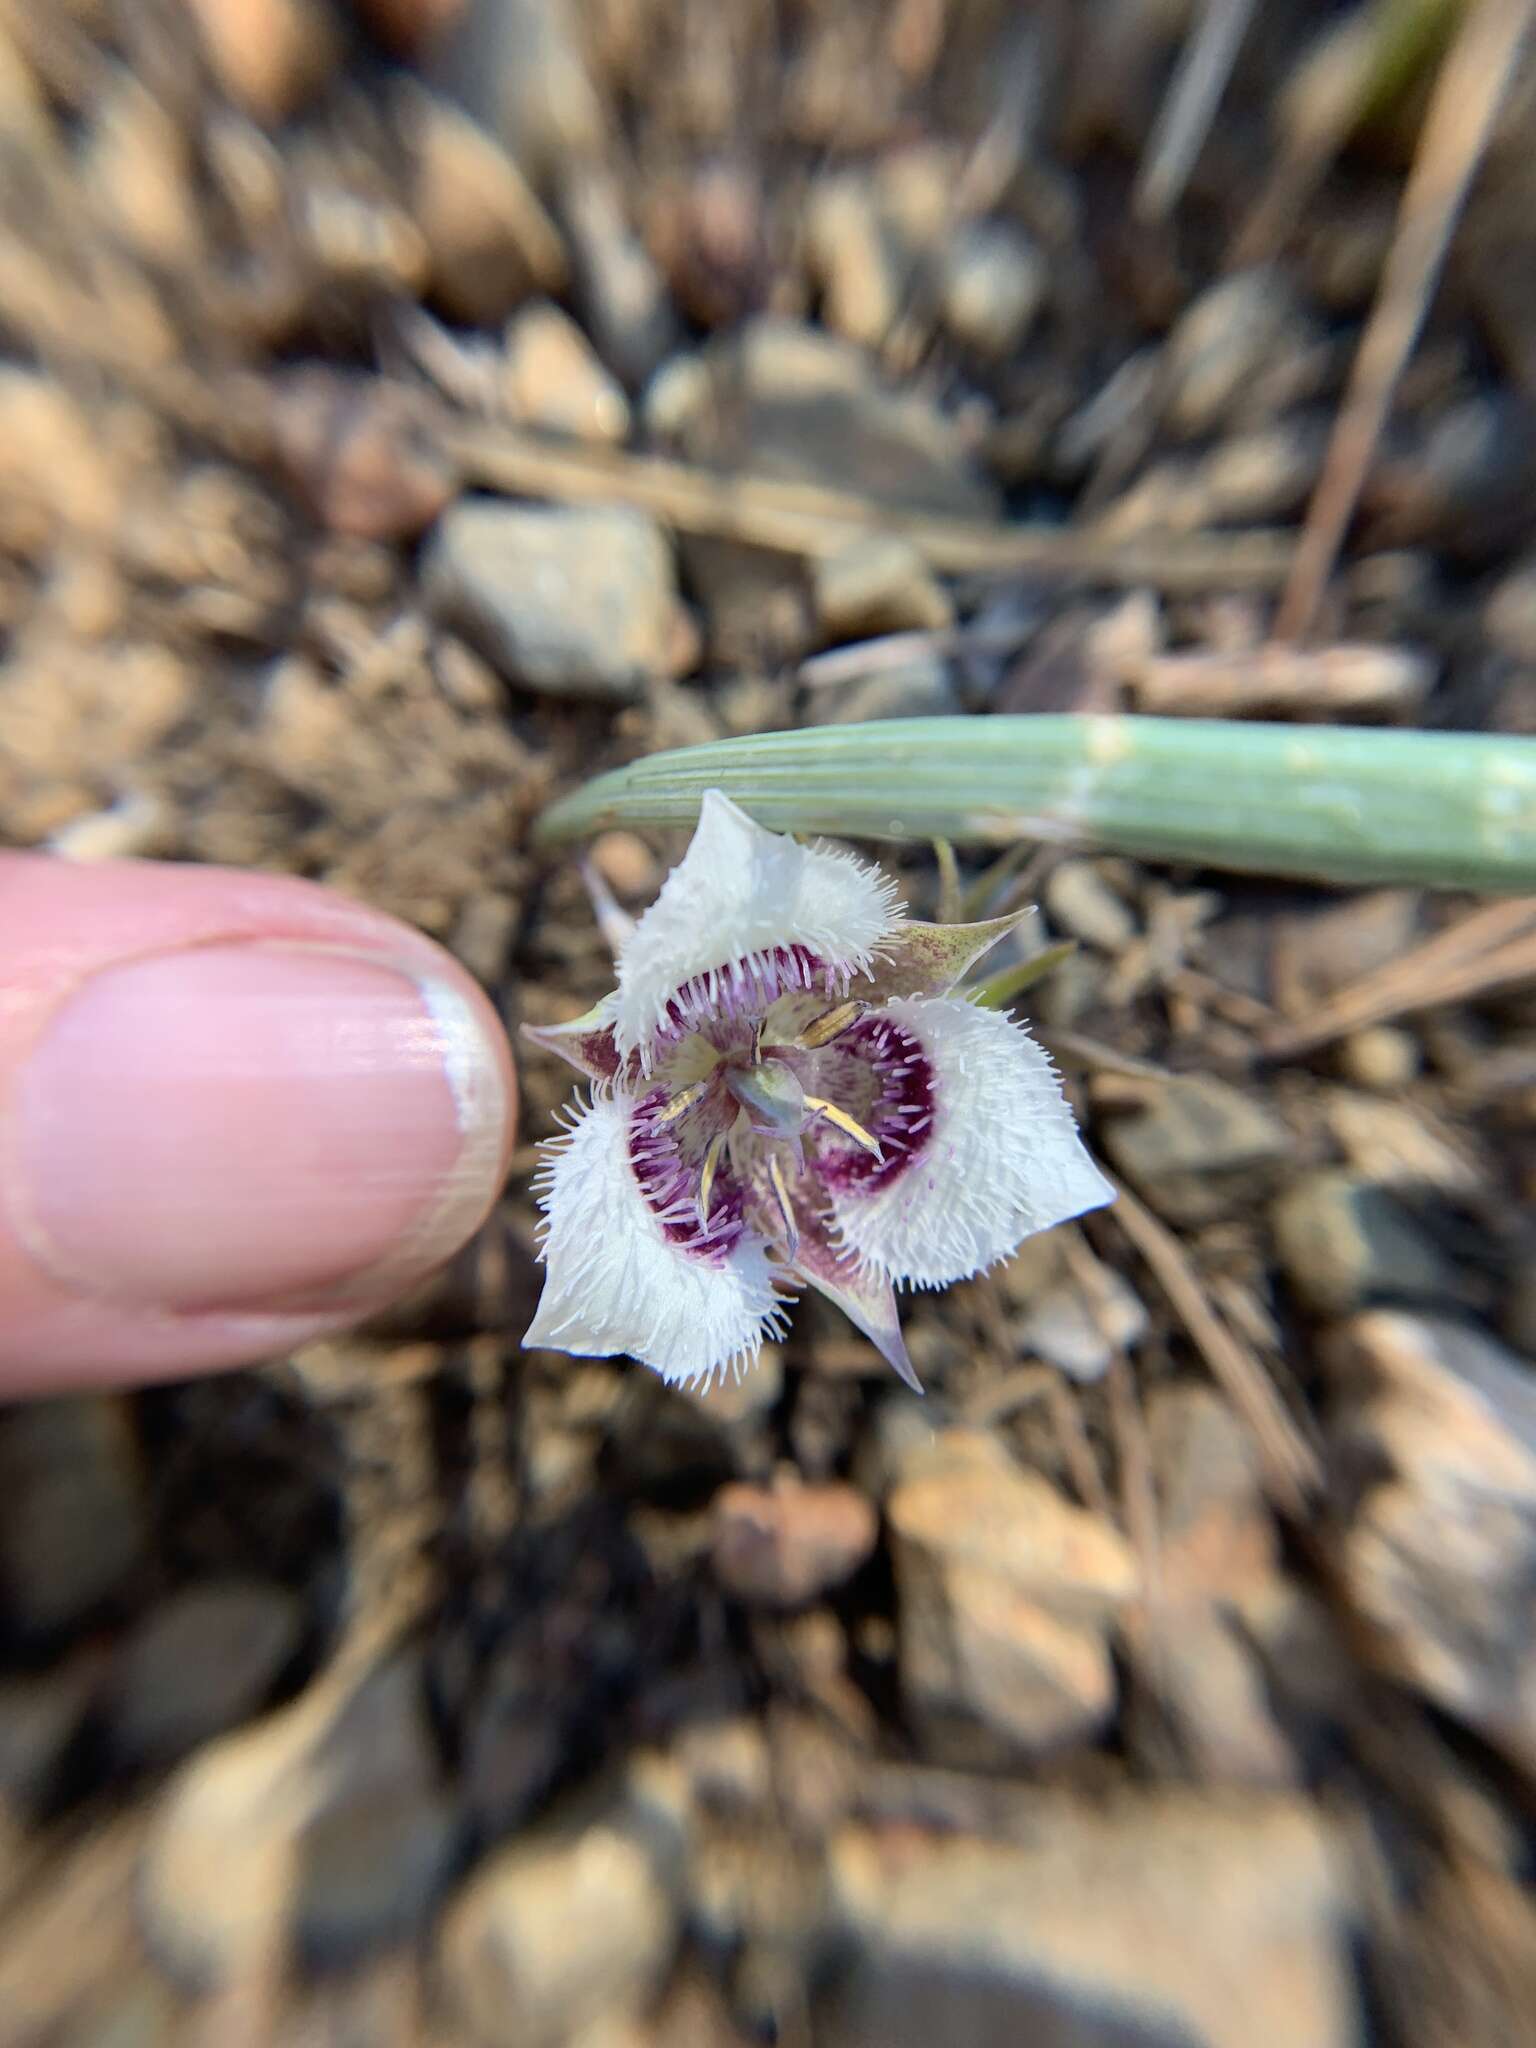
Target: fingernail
[{"x": 240, "y": 1125}]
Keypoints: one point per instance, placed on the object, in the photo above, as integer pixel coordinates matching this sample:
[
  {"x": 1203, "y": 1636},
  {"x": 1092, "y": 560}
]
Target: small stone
[
  {"x": 1004, "y": 1589},
  {"x": 1084, "y": 906},
  {"x": 138, "y": 170},
  {"x": 1242, "y": 340},
  {"x": 73, "y": 1522},
  {"x": 567, "y": 1928},
  {"x": 1318, "y": 952},
  {"x": 40, "y": 1715},
  {"x": 1263, "y": 475},
  {"x": 1509, "y": 615},
  {"x": 1217, "y": 1539},
  {"x": 1213, "y": 1695},
  {"x": 919, "y": 687},
  {"x": 853, "y": 259},
  {"x": 993, "y": 286},
  {"x": 622, "y": 295},
  {"x": 1198, "y": 1147},
  {"x": 323, "y": 1826},
  {"x": 361, "y": 452},
  {"x": 627, "y": 865},
  {"x": 135, "y": 826},
  {"x": 876, "y": 584},
  {"x": 551, "y": 378},
  {"x": 1439, "y": 1543},
  {"x": 1383, "y": 1057},
  {"x": 489, "y": 241},
  {"x": 201, "y": 1662},
  {"x": 270, "y": 56},
  {"x": 1344, "y": 1244},
  {"x": 782, "y": 1546},
  {"x": 1082, "y": 1329},
  {"x": 786, "y": 400},
  {"x": 567, "y": 602},
  {"x": 1102, "y": 1941},
  {"x": 408, "y": 27}
]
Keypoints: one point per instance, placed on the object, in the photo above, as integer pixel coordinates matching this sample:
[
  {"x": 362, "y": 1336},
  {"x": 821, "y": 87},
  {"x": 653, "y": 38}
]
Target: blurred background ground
[{"x": 1169, "y": 1675}]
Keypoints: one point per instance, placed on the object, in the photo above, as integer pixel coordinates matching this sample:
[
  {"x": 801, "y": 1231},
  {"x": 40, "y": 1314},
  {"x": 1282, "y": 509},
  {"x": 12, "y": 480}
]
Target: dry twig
[
  {"x": 1184, "y": 119},
  {"x": 812, "y": 520},
  {"x": 1467, "y": 93},
  {"x": 1490, "y": 949},
  {"x": 1290, "y": 1464}
]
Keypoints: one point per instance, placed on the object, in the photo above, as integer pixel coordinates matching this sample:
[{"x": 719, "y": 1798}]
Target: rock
[
  {"x": 854, "y": 259},
  {"x": 73, "y": 1524},
  {"x": 407, "y": 27},
  {"x": 570, "y": 603},
  {"x": 137, "y": 170},
  {"x": 551, "y": 378},
  {"x": 1509, "y": 614},
  {"x": 1218, "y": 1594},
  {"x": 1241, "y": 346},
  {"x": 270, "y": 56},
  {"x": 1344, "y": 1244},
  {"x": 1383, "y": 1057},
  {"x": 1101, "y": 1944},
  {"x": 362, "y": 453},
  {"x": 785, "y": 400},
  {"x": 1217, "y": 1541},
  {"x": 782, "y": 1546},
  {"x": 1084, "y": 906},
  {"x": 1083, "y": 1321},
  {"x": 918, "y": 687},
  {"x": 627, "y": 865},
  {"x": 622, "y": 295},
  {"x": 1318, "y": 952},
  {"x": 1198, "y": 1148},
  {"x": 201, "y": 1662},
  {"x": 1436, "y": 1426},
  {"x": 571, "y": 1926},
  {"x": 488, "y": 239},
  {"x": 1004, "y": 1593},
  {"x": 993, "y": 284},
  {"x": 878, "y": 583},
  {"x": 40, "y": 1715},
  {"x": 323, "y": 1827},
  {"x": 1214, "y": 1698},
  {"x": 1265, "y": 475}
]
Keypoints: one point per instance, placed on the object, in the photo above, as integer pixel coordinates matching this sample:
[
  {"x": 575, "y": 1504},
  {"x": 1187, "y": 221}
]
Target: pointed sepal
[
  {"x": 865, "y": 1297},
  {"x": 928, "y": 959},
  {"x": 586, "y": 1042}
]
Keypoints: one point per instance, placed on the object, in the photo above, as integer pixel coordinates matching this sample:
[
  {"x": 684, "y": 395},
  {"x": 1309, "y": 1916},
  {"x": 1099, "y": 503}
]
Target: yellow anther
[
  {"x": 849, "y": 1125},
  {"x": 786, "y": 1207},
  {"x": 680, "y": 1104},
  {"x": 707, "y": 1176},
  {"x": 830, "y": 1024}
]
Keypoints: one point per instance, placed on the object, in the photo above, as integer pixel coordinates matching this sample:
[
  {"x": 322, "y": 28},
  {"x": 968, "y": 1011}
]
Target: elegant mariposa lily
[{"x": 785, "y": 1088}]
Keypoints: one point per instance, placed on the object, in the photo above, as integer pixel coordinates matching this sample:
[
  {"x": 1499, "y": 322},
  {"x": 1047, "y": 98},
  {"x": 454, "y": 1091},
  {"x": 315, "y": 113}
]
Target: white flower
[{"x": 785, "y": 1089}]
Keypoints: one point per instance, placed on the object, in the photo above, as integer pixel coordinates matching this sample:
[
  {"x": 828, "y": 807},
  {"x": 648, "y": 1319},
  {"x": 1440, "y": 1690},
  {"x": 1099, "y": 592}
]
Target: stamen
[
  {"x": 680, "y": 1104},
  {"x": 707, "y": 1175},
  {"x": 786, "y": 1207},
  {"x": 830, "y": 1024},
  {"x": 849, "y": 1126}
]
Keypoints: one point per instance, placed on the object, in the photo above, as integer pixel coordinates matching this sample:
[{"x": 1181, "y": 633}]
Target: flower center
[{"x": 776, "y": 1105}]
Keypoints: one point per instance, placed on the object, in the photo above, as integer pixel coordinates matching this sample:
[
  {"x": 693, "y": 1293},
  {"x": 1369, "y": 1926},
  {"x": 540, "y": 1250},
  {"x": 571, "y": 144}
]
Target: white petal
[
  {"x": 613, "y": 1282},
  {"x": 740, "y": 892},
  {"x": 1003, "y": 1160}
]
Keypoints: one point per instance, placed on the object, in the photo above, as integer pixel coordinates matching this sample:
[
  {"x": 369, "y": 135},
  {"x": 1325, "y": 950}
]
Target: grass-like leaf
[{"x": 1327, "y": 803}]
